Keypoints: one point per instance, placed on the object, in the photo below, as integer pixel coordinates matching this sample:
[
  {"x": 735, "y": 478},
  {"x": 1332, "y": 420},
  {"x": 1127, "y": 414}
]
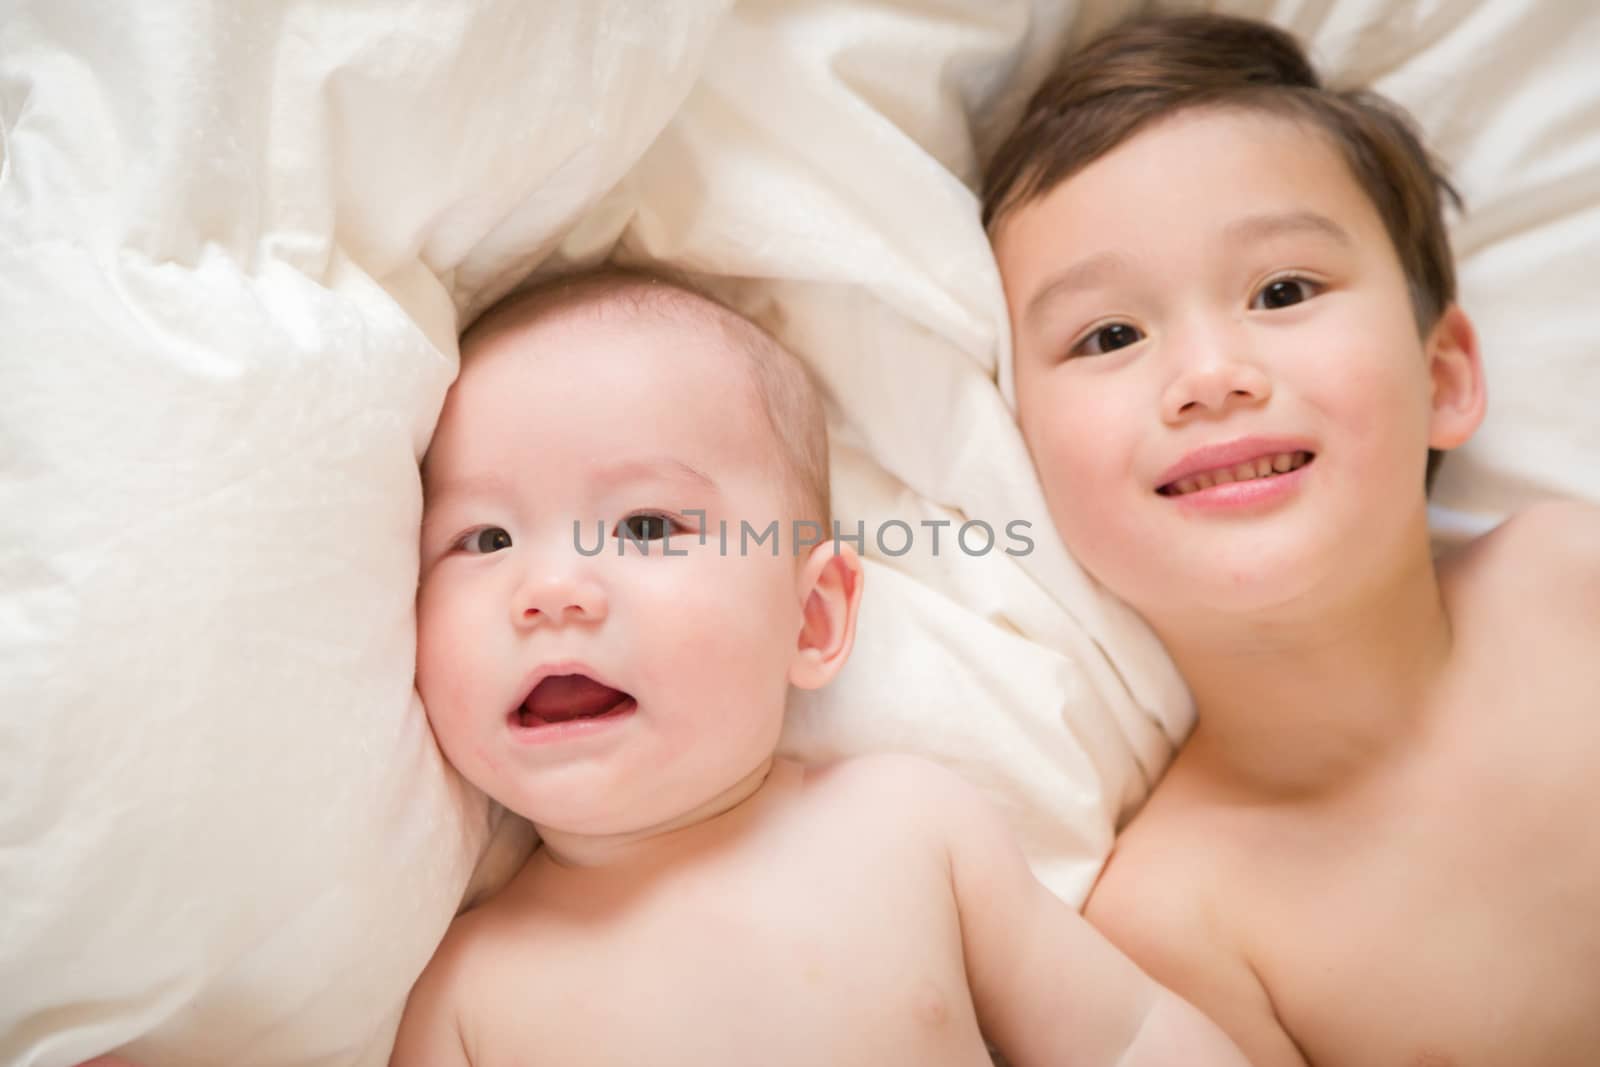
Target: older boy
[
  {"x": 1235, "y": 343},
  {"x": 696, "y": 901}
]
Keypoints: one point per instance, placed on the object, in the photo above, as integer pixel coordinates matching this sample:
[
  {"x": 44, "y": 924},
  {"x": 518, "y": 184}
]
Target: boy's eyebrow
[
  {"x": 1090, "y": 270},
  {"x": 1081, "y": 275},
  {"x": 1276, "y": 224}
]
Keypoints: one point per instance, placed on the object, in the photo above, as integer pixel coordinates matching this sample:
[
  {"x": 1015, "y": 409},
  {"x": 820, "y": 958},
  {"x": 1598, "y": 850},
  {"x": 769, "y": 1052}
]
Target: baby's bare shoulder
[
  {"x": 476, "y": 942},
  {"x": 436, "y": 1028},
  {"x": 909, "y": 811},
  {"x": 501, "y": 975},
  {"x": 885, "y": 775},
  {"x": 896, "y": 792}
]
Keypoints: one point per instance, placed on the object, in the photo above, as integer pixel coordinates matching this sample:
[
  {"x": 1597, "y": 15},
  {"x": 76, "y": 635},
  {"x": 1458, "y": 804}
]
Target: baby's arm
[{"x": 1050, "y": 991}]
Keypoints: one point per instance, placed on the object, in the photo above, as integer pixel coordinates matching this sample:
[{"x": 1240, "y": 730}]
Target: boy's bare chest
[
  {"x": 830, "y": 964},
  {"x": 1458, "y": 928}
]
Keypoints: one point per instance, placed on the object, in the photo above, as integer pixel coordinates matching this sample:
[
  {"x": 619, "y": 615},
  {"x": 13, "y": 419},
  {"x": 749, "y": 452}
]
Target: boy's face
[
  {"x": 675, "y": 666},
  {"x": 1214, "y": 299}
]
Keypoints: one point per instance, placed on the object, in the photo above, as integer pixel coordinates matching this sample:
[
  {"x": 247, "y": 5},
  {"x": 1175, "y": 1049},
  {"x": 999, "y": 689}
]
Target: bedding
[{"x": 236, "y": 246}]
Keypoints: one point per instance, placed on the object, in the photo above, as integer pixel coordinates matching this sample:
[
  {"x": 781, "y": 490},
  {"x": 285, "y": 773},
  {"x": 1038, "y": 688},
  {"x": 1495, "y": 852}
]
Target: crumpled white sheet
[{"x": 235, "y": 245}]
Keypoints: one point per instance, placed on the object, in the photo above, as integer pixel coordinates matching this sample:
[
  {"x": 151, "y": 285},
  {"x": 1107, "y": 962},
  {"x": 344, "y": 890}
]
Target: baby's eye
[
  {"x": 646, "y": 526},
  {"x": 1108, "y": 338},
  {"x": 1283, "y": 292},
  {"x": 482, "y": 542}
]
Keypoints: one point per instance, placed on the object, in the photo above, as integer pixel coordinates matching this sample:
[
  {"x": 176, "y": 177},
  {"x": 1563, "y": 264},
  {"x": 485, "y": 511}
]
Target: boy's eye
[
  {"x": 645, "y": 526},
  {"x": 482, "y": 542},
  {"x": 1282, "y": 293},
  {"x": 1108, "y": 338}
]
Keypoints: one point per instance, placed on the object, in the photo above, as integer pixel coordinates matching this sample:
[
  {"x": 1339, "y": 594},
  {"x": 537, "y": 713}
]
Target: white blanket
[{"x": 236, "y": 242}]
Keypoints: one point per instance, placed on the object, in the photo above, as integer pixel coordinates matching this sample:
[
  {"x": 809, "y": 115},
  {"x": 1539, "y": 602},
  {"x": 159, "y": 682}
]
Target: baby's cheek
[
  {"x": 446, "y": 665},
  {"x": 432, "y": 657},
  {"x": 728, "y": 629}
]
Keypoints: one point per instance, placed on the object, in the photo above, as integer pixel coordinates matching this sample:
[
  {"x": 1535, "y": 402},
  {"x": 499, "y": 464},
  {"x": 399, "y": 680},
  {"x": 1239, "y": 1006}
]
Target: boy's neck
[
  {"x": 1315, "y": 701},
  {"x": 691, "y": 830}
]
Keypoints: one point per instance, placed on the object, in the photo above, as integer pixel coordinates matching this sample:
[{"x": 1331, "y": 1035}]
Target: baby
[
  {"x": 1236, "y": 342},
  {"x": 604, "y": 650}
]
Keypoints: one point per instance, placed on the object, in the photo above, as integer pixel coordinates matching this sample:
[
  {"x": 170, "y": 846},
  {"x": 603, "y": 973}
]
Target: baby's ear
[
  {"x": 1459, "y": 396},
  {"x": 830, "y": 595}
]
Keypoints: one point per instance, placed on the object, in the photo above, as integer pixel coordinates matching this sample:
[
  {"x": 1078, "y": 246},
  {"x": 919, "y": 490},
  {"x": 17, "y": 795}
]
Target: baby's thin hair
[{"x": 781, "y": 383}]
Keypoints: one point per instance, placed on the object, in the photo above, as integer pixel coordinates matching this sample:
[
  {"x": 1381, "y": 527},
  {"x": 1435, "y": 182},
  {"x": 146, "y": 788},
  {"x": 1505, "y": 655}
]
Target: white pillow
[
  {"x": 234, "y": 249},
  {"x": 226, "y": 239}
]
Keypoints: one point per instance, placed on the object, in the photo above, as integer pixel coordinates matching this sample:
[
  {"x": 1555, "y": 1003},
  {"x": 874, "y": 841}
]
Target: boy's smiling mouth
[
  {"x": 568, "y": 698},
  {"x": 1264, "y": 466}
]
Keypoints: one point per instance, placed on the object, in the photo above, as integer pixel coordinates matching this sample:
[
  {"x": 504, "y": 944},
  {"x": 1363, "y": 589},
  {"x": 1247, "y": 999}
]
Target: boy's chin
[{"x": 1250, "y": 583}]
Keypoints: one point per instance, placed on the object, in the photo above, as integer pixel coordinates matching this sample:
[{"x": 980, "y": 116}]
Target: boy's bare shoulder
[
  {"x": 1165, "y": 899},
  {"x": 1158, "y": 894},
  {"x": 1547, "y": 555}
]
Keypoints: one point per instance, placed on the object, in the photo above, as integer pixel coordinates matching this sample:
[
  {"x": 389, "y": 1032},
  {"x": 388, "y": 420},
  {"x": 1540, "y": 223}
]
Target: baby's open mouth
[
  {"x": 1261, "y": 467},
  {"x": 567, "y": 698}
]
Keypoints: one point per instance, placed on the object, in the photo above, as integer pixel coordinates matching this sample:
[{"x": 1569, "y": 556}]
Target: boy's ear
[
  {"x": 830, "y": 596},
  {"x": 1459, "y": 396}
]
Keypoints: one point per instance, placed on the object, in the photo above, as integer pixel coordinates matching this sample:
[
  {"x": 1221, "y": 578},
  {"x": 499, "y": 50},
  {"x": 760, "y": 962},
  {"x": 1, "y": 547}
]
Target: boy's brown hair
[{"x": 1154, "y": 66}]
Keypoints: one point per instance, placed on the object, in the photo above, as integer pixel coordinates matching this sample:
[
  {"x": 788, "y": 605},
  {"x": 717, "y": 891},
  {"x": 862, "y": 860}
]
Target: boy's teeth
[{"x": 1263, "y": 467}]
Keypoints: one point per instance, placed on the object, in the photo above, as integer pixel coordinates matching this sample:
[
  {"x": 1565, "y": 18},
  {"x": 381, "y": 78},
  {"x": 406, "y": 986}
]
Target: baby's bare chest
[
  {"x": 822, "y": 963},
  {"x": 1459, "y": 927}
]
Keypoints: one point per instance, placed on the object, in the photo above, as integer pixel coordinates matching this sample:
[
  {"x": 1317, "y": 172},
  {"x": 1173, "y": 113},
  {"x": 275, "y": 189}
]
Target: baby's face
[
  {"x": 1219, "y": 375},
  {"x": 609, "y": 692}
]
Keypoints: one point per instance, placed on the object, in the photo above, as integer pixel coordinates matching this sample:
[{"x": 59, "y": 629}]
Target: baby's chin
[
  {"x": 644, "y": 807},
  {"x": 580, "y": 805}
]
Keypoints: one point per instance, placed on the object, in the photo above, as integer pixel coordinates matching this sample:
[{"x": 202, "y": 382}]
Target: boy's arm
[
  {"x": 1050, "y": 991},
  {"x": 430, "y": 1034}
]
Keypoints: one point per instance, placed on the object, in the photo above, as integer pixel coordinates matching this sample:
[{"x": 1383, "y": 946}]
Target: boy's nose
[
  {"x": 559, "y": 597},
  {"x": 1213, "y": 384}
]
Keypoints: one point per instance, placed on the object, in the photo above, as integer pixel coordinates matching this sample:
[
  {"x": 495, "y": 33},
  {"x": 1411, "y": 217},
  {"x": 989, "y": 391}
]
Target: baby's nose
[{"x": 560, "y": 596}]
